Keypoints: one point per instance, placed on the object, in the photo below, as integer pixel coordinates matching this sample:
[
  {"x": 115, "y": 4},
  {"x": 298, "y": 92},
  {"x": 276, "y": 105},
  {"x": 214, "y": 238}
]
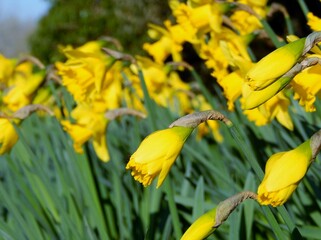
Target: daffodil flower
[
  {"x": 206, "y": 224},
  {"x": 157, "y": 153},
  {"x": 202, "y": 227},
  {"x": 8, "y": 135},
  {"x": 285, "y": 170}
]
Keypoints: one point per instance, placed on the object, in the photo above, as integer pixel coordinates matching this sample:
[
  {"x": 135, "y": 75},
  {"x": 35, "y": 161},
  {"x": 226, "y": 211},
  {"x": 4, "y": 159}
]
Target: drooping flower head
[
  {"x": 285, "y": 170},
  {"x": 206, "y": 224},
  {"x": 157, "y": 153}
]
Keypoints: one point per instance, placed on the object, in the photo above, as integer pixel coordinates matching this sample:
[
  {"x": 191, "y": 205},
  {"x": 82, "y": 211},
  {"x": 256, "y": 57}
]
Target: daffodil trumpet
[
  {"x": 206, "y": 224},
  {"x": 285, "y": 170}
]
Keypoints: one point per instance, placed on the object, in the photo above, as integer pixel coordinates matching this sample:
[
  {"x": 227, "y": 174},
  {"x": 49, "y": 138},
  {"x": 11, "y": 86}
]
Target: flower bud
[
  {"x": 274, "y": 65},
  {"x": 285, "y": 170},
  {"x": 256, "y": 98}
]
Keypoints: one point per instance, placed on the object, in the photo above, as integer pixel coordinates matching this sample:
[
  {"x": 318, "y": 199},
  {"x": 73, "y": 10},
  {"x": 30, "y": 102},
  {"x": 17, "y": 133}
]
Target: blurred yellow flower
[
  {"x": 202, "y": 227},
  {"x": 276, "y": 107},
  {"x": 6, "y": 69},
  {"x": 283, "y": 173},
  {"x": 156, "y": 154},
  {"x": 84, "y": 72},
  {"x": 78, "y": 134},
  {"x": 22, "y": 91},
  {"x": 90, "y": 124},
  {"x": 169, "y": 42},
  {"x": 232, "y": 87},
  {"x": 307, "y": 86},
  {"x": 245, "y": 22},
  {"x": 274, "y": 65},
  {"x": 8, "y": 136},
  {"x": 314, "y": 22}
]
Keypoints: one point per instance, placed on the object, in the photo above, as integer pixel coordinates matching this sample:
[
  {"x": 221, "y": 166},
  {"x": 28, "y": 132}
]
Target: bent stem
[{"x": 194, "y": 119}]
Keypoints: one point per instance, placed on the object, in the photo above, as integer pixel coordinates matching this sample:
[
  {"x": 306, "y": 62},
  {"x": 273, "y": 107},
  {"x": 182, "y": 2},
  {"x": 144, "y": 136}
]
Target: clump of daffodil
[
  {"x": 157, "y": 153},
  {"x": 206, "y": 224},
  {"x": 275, "y": 64},
  {"x": 285, "y": 170},
  {"x": 8, "y": 135}
]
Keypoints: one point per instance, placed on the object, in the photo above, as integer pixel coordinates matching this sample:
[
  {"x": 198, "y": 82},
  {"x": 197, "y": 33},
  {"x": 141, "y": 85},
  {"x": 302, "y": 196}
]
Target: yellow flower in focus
[
  {"x": 156, "y": 154},
  {"x": 8, "y": 136},
  {"x": 274, "y": 65},
  {"x": 314, "y": 22},
  {"x": 307, "y": 86},
  {"x": 202, "y": 227},
  {"x": 283, "y": 173}
]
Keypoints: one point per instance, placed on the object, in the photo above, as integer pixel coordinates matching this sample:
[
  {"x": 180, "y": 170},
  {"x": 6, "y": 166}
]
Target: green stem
[
  {"x": 289, "y": 25},
  {"x": 172, "y": 208},
  {"x": 271, "y": 34},
  {"x": 304, "y": 8},
  {"x": 204, "y": 90},
  {"x": 149, "y": 104},
  {"x": 273, "y": 223},
  {"x": 148, "y": 101}
]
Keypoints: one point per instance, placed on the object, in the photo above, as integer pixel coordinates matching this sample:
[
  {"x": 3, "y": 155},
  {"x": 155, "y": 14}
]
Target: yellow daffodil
[
  {"x": 78, "y": 134},
  {"x": 22, "y": 92},
  {"x": 169, "y": 42},
  {"x": 6, "y": 69},
  {"x": 232, "y": 86},
  {"x": 307, "y": 86},
  {"x": 276, "y": 107},
  {"x": 274, "y": 65},
  {"x": 202, "y": 227},
  {"x": 314, "y": 22},
  {"x": 283, "y": 173},
  {"x": 157, "y": 153},
  {"x": 245, "y": 22},
  {"x": 84, "y": 72},
  {"x": 8, "y": 136},
  {"x": 90, "y": 124},
  {"x": 211, "y": 220}
]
